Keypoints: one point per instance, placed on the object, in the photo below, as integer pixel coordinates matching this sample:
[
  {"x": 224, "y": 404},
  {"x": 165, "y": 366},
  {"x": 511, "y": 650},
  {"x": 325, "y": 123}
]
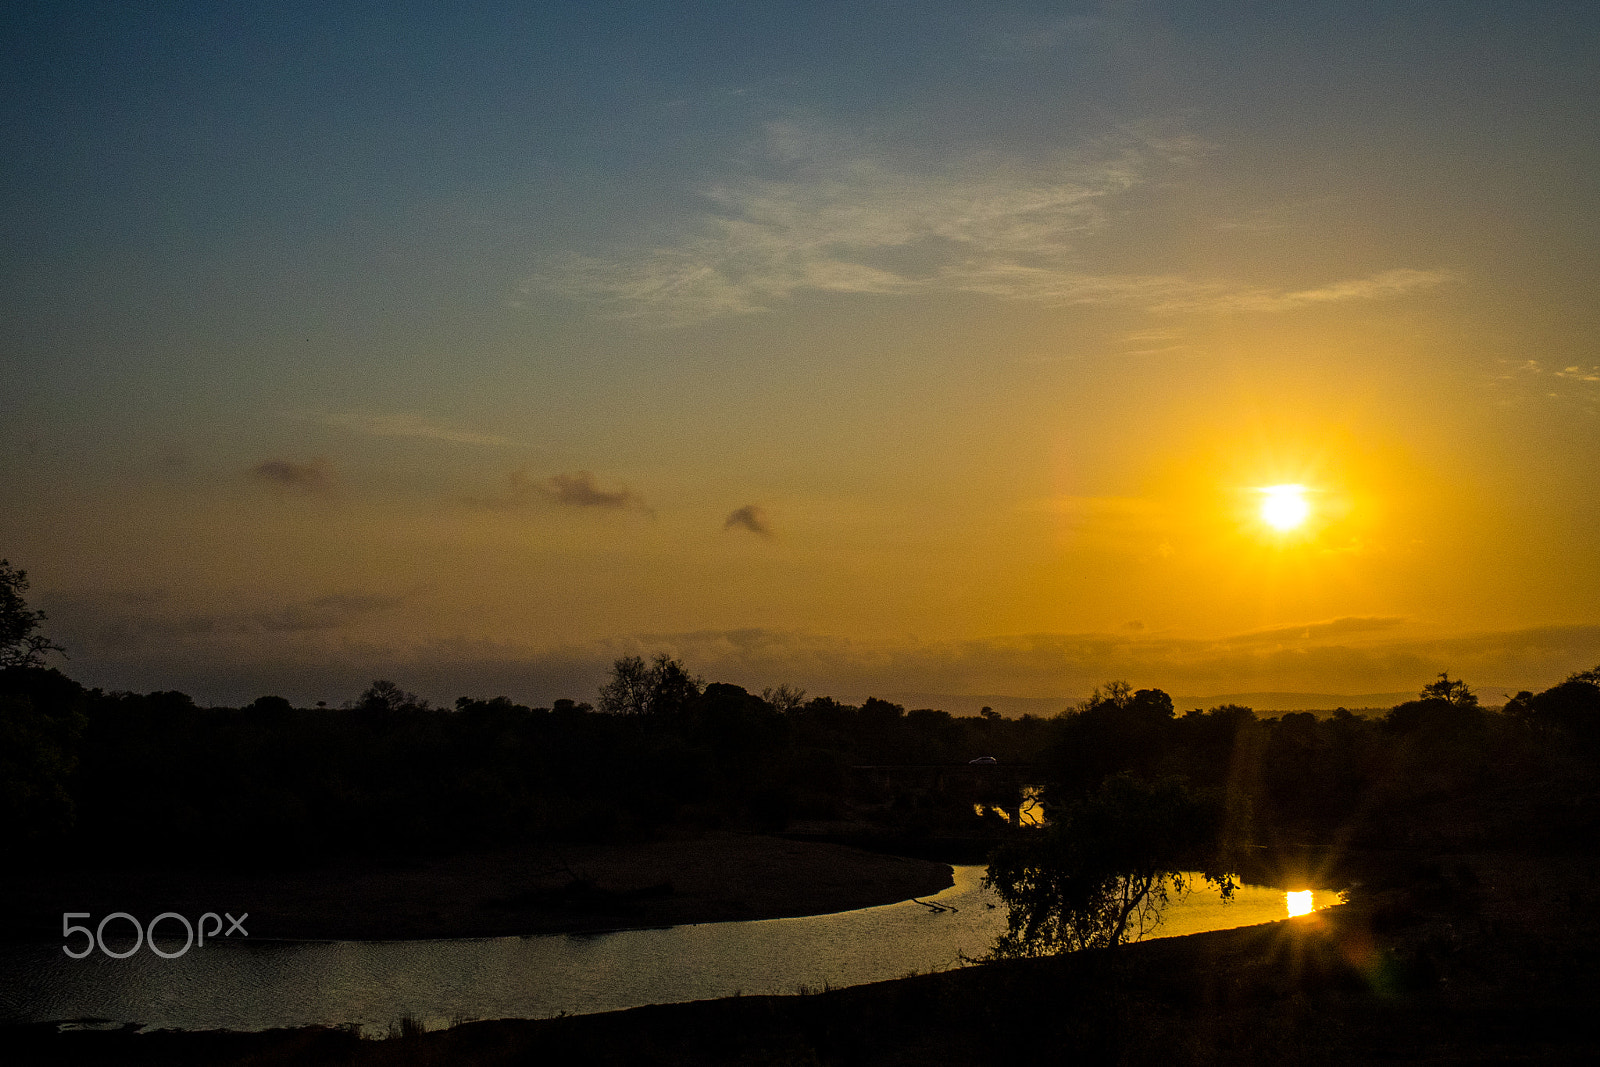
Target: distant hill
[
  {"x": 1268, "y": 702},
  {"x": 962, "y": 704},
  {"x": 1490, "y": 695},
  {"x": 1013, "y": 707}
]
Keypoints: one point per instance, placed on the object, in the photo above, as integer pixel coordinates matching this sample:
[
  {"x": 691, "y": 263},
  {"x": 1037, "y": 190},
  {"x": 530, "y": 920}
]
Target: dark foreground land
[
  {"x": 1482, "y": 958},
  {"x": 538, "y": 888},
  {"x": 1466, "y": 833}
]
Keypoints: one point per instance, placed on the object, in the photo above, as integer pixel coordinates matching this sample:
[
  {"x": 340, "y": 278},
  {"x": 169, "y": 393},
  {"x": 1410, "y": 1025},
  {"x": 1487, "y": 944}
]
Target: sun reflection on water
[{"x": 1299, "y": 903}]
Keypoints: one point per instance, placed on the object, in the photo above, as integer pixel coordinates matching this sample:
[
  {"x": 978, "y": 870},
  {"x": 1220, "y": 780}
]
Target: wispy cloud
[
  {"x": 313, "y": 476},
  {"x": 1028, "y": 41},
  {"x": 751, "y": 517},
  {"x": 843, "y": 218},
  {"x": 576, "y": 490},
  {"x": 1389, "y": 283},
  {"x": 402, "y": 424},
  {"x": 1174, "y": 294},
  {"x": 1530, "y": 379}
]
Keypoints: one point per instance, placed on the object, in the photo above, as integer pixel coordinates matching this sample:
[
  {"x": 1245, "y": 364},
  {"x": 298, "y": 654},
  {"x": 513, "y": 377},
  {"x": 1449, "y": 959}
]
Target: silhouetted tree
[
  {"x": 20, "y": 646},
  {"x": 784, "y": 698},
  {"x": 627, "y": 692},
  {"x": 663, "y": 687},
  {"x": 385, "y": 696},
  {"x": 1100, "y": 874},
  {"x": 1452, "y": 691},
  {"x": 1572, "y": 707},
  {"x": 672, "y": 687},
  {"x": 41, "y": 726},
  {"x": 1446, "y": 707},
  {"x": 1117, "y": 730}
]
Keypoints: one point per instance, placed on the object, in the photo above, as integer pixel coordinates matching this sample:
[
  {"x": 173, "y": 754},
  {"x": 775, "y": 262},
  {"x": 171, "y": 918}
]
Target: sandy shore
[{"x": 531, "y": 890}]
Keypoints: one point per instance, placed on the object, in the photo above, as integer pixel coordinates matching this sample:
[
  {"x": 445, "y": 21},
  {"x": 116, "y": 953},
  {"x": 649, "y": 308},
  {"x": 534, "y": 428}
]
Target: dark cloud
[
  {"x": 123, "y": 622},
  {"x": 315, "y": 476},
  {"x": 334, "y": 612},
  {"x": 1343, "y": 627},
  {"x": 576, "y": 490},
  {"x": 751, "y": 517},
  {"x": 579, "y": 490}
]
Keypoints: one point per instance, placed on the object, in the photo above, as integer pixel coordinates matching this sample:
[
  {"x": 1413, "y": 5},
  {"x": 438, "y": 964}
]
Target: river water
[{"x": 371, "y": 985}]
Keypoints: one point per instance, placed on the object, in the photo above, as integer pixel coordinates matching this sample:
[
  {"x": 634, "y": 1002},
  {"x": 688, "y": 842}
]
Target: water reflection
[
  {"x": 1028, "y": 812},
  {"x": 1300, "y": 903},
  {"x": 262, "y": 984}
]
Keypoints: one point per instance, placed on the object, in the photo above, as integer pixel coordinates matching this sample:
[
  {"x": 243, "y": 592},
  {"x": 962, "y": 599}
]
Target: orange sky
[{"x": 944, "y": 358}]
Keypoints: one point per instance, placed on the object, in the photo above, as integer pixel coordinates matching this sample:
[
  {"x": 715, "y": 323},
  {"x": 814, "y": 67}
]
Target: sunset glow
[
  {"x": 1284, "y": 507},
  {"x": 992, "y": 353}
]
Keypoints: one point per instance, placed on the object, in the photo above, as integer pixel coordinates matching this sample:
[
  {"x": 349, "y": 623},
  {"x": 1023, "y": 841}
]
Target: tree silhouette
[
  {"x": 20, "y": 646},
  {"x": 1100, "y": 874},
  {"x": 1446, "y": 706},
  {"x": 784, "y": 698},
  {"x": 1452, "y": 691},
  {"x": 664, "y": 687},
  {"x": 385, "y": 696},
  {"x": 628, "y": 690}
]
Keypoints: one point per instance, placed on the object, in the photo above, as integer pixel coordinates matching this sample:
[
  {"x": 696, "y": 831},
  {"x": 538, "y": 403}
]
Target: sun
[{"x": 1284, "y": 507}]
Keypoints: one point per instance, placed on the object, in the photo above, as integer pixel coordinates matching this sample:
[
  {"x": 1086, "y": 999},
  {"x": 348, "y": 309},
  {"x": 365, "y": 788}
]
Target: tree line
[
  {"x": 155, "y": 776},
  {"x": 86, "y": 773}
]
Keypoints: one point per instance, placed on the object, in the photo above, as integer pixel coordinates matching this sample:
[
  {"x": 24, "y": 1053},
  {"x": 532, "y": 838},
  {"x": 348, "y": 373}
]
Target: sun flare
[{"x": 1284, "y": 507}]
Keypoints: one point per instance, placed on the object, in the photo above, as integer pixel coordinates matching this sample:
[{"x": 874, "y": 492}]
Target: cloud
[
  {"x": 402, "y": 424},
  {"x": 751, "y": 517},
  {"x": 842, "y": 218},
  {"x": 336, "y": 611},
  {"x": 1530, "y": 379},
  {"x": 576, "y": 490},
  {"x": 1024, "y": 42},
  {"x": 315, "y": 476},
  {"x": 323, "y": 648},
  {"x": 141, "y": 622},
  {"x": 1174, "y": 294},
  {"x": 1343, "y": 627},
  {"x": 1385, "y": 285}
]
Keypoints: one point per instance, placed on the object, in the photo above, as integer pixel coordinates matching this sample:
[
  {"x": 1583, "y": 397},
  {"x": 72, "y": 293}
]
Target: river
[{"x": 371, "y": 985}]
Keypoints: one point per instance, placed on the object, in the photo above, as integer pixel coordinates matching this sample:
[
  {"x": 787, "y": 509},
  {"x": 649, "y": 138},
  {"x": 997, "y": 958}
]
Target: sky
[{"x": 874, "y": 348}]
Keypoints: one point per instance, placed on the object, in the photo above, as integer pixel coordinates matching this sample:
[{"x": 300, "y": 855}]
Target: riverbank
[
  {"x": 540, "y": 889},
  {"x": 1465, "y": 959}
]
